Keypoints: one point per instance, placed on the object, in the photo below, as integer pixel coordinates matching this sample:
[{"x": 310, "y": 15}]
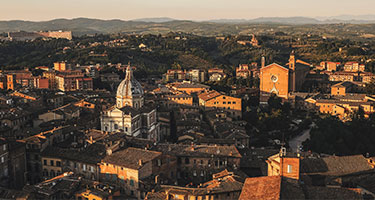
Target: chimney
[
  {"x": 140, "y": 162},
  {"x": 263, "y": 61}
]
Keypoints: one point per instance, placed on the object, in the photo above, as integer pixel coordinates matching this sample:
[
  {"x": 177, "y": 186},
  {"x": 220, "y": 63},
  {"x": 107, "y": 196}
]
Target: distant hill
[
  {"x": 367, "y": 19},
  {"x": 81, "y": 26},
  {"x": 155, "y": 20}
]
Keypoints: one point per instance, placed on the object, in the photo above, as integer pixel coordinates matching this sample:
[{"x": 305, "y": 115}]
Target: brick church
[{"x": 282, "y": 80}]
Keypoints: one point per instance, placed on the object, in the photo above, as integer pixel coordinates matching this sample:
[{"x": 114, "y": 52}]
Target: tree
[{"x": 274, "y": 102}]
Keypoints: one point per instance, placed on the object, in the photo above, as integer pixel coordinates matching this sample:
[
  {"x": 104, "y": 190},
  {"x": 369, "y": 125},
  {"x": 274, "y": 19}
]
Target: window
[
  {"x": 58, "y": 163},
  {"x": 289, "y": 170},
  {"x": 223, "y": 97},
  {"x": 116, "y": 126},
  {"x": 187, "y": 161},
  {"x": 131, "y": 182},
  {"x": 51, "y": 162},
  {"x": 4, "y": 147},
  {"x": 224, "y": 102},
  {"x": 159, "y": 162},
  {"x": 234, "y": 102},
  {"x": 84, "y": 167},
  {"x": 229, "y": 102},
  {"x": 2, "y": 159}
]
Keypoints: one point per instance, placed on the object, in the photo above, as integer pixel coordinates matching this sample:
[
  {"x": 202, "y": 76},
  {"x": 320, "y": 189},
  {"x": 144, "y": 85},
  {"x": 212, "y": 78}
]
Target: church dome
[{"x": 129, "y": 87}]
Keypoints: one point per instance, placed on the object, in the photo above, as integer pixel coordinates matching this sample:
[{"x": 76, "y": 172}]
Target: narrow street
[{"x": 296, "y": 142}]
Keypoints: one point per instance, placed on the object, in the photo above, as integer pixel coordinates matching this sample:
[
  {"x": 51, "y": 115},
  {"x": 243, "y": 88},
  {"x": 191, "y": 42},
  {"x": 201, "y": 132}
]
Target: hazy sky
[{"x": 37, "y": 10}]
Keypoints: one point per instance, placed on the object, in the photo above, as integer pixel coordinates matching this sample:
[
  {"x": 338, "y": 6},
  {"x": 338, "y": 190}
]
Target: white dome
[{"x": 129, "y": 87}]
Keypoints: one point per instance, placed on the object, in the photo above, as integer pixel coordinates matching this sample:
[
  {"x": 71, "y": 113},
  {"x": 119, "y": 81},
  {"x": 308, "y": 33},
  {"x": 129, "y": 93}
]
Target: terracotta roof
[
  {"x": 130, "y": 157},
  {"x": 266, "y": 188},
  {"x": 335, "y": 165},
  {"x": 199, "y": 150},
  {"x": 91, "y": 154},
  {"x": 208, "y": 95}
]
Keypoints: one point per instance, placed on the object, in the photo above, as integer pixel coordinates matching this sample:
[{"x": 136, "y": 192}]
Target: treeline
[{"x": 333, "y": 136}]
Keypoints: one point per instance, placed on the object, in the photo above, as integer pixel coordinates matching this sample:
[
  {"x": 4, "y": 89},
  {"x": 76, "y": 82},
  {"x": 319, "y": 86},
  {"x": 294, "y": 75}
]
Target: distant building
[
  {"x": 188, "y": 87},
  {"x": 354, "y": 67},
  {"x": 174, "y": 75},
  {"x": 216, "y": 74},
  {"x": 329, "y": 66},
  {"x": 196, "y": 75},
  {"x": 73, "y": 82},
  {"x": 60, "y": 66},
  {"x": 343, "y": 76}
]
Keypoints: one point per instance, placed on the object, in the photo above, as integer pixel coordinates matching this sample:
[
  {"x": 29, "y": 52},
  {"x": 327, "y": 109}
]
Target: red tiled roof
[
  {"x": 266, "y": 188},
  {"x": 208, "y": 95}
]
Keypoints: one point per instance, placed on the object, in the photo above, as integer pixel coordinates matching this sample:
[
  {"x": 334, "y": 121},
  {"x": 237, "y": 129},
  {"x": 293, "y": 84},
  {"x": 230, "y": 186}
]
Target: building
[
  {"x": 197, "y": 75},
  {"x": 342, "y": 88},
  {"x": 284, "y": 165},
  {"x": 197, "y": 163},
  {"x": 354, "y": 67},
  {"x": 83, "y": 162},
  {"x": 130, "y": 114},
  {"x": 73, "y": 82},
  {"x": 279, "y": 80},
  {"x": 41, "y": 83},
  {"x": 51, "y": 77},
  {"x": 277, "y": 188},
  {"x": 343, "y": 76},
  {"x": 130, "y": 169},
  {"x": 214, "y": 99},
  {"x": 224, "y": 185},
  {"x": 184, "y": 99},
  {"x": 188, "y": 87},
  {"x": 329, "y": 66},
  {"x": 60, "y": 66},
  {"x": 367, "y": 77},
  {"x": 174, "y": 75},
  {"x": 10, "y": 81},
  {"x": 216, "y": 74},
  {"x": 243, "y": 71}
]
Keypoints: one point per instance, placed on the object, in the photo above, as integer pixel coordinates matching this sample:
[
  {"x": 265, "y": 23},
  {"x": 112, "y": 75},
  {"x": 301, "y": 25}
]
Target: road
[{"x": 296, "y": 142}]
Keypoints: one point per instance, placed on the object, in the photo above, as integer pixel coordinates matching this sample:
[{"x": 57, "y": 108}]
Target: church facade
[
  {"x": 280, "y": 80},
  {"x": 130, "y": 115}
]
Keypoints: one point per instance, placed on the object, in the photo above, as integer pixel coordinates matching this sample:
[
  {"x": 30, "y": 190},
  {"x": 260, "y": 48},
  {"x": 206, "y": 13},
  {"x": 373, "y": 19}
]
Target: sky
[{"x": 41, "y": 10}]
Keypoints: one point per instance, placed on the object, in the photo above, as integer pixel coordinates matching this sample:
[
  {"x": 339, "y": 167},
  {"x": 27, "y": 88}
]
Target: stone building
[
  {"x": 130, "y": 114},
  {"x": 280, "y": 80}
]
